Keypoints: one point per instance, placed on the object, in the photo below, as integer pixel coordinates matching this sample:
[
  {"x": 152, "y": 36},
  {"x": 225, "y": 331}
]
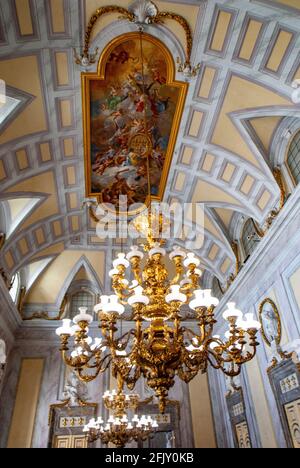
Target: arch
[
  {"x": 249, "y": 238},
  {"x": 83, "y": 262},
  {"x": 293, "y": 157}
]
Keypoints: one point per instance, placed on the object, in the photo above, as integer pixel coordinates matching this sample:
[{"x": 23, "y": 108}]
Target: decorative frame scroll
[{"x": 126, "y": 14}]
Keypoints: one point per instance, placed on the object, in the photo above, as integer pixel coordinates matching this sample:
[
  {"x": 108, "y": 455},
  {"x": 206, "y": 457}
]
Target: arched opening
[
  {"x": 293, "y": 158},
  {"x": 82, "y": 298},
  {"x": 249, "y": 238}
]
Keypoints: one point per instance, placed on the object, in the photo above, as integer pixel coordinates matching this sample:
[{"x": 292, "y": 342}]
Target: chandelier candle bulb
[
  {"x": 103, "y": 301},
  {"x": 157, "y": 251},
  {"x": 121, "y": 261},
  {"x": 177, "y": 252},
  {"x": 191, "y": 260},
  {"x": 175, "y": 295},
  {"x": 135, "y": 253},
  {"x": 113, "y": 306},
  {"x": 209, "y": 300},
  {"x": 251, "y": 323},
  {"x": 198, "y": 301},
  {"x": 138, "y": 297},
  {"x": 113, "y": 272},
  {"x": 232, "y": 313},
  {"x": 83, "y": 316},
  {"x": 66, "y": 328}
]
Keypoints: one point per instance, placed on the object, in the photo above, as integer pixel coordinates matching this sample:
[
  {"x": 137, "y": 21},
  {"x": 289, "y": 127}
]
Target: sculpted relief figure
[{"x": 75, "y": 390}]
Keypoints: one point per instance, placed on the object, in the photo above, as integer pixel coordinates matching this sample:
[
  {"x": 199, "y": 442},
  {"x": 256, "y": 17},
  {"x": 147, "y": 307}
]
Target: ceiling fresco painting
[{"x": 137, "y": 98}]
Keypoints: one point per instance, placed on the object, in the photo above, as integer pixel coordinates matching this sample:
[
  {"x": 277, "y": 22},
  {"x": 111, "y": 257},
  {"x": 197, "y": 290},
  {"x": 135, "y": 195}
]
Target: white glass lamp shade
[
  {"x": 232, "y": 312},
  {"x": 175, "y": 295},
  {"x": 99, "y": 307},
  {"x": 155, "y": 425},
  {"x": 83, "y": 316},
  {"x": 129, "y": 426},
  {"x": 76, "y": 328},
  {"x": 66, "y": 328},
  {"x": 177, "y": 252},
  {"x": 134, "y": 253},
  {"x": 157, "y": 250},
  {"x": 113, "y": 305},
  {"x": 113, "y": 272},
  {"x": 208, "y": 299},
  {"x": 121, "y": 261},
  {"x": 250, "y": 323},
  {"x": 191, "y": 260},
  {"x": 138, "y": 297},
  {"x": 198, "y": 301}
]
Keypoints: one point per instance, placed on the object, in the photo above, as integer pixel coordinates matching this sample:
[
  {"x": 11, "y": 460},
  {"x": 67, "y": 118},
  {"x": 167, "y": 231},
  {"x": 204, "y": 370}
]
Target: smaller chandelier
[{"x": 119, "y": 429}]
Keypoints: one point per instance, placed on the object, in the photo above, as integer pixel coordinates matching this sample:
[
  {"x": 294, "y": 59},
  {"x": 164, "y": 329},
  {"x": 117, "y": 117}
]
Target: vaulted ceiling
[{"x": 249, "y": 55}]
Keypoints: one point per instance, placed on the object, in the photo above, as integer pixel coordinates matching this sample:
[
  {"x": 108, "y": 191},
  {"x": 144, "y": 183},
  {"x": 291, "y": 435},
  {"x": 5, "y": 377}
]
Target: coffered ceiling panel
[{"x": 24, "y": 74}]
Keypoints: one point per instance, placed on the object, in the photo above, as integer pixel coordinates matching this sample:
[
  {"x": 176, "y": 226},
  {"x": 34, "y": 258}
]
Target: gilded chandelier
[
  {"x": 119, "y": 429},
  {"x": 159, "y": 347}
]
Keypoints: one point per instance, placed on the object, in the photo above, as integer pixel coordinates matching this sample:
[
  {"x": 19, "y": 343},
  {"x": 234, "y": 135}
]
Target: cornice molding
[{"x": 270, "y": 246}]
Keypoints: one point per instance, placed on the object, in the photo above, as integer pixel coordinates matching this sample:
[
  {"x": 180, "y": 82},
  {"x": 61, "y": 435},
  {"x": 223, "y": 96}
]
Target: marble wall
[
  {"x": 35, "y": 340},
  {"x": 272, "y": 271}
]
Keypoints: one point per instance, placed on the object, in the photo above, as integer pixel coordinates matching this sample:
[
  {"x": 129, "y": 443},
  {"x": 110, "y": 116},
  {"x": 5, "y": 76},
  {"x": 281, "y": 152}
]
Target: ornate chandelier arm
[
  {"x": 135, "y": 263},
  {"x": 179, "y": 270},
  {"x": 232, "y": 371},
  {"x": 99, "y": 370},
  {"x": 120, "y": 344}
]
